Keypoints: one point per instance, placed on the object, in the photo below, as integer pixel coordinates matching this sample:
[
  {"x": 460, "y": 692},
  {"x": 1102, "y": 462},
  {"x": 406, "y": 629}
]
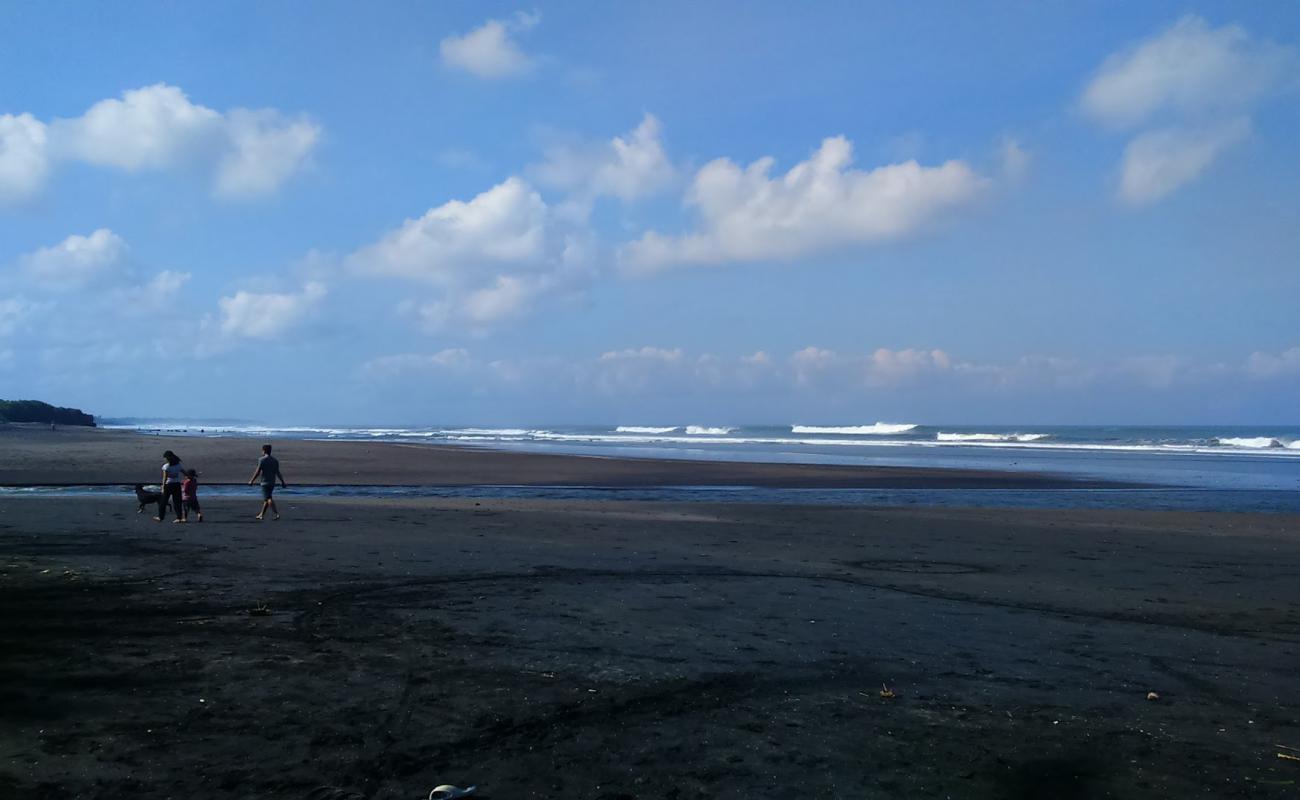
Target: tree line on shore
[{"x": 36, "y": 411}]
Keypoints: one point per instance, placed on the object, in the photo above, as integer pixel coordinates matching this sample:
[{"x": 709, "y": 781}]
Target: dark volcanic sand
[
  {"x": 34, "y": 455},
  {"x": 614, "y": 650}
]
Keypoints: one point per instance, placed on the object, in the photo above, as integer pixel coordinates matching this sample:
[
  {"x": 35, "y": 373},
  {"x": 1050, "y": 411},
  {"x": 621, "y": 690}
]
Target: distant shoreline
[{"x": 86, "y": 457}]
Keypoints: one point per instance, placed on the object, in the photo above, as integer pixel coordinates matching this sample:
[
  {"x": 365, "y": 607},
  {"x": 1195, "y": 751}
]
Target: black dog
[{"x": 148, "y": 498}]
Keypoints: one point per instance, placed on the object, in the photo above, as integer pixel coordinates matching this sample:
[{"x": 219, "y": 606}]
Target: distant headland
[{"x": 36, "y": 411}]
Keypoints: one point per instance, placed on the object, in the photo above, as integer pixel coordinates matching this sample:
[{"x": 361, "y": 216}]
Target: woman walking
[{"x": 173, "y": 472}]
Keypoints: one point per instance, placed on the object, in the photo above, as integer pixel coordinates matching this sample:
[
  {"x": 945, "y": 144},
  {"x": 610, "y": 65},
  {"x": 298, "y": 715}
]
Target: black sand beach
[{"x": 545, "y": 649}]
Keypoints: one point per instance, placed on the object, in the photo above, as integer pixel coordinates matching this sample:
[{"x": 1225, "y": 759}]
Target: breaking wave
[
  {"x": 641, "y": 429},
  {"x": 991, "y": 437},
  {"x": 700, "y": 430},
  {"x": 488, "y": 431},
  {"x": 879, "y": 429},
  {"x": 1254, "y": 442}
]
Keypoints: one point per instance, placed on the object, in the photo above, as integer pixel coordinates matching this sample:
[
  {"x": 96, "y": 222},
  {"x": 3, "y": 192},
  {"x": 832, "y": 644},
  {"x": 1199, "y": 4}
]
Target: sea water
[{"x": 1204, "y": 457}]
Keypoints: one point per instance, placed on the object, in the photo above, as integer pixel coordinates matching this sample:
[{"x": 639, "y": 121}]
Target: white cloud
[
  {"x": 1267, "y": 365},
  {"x": 76, "y": 261},
  {"x": 478, "y": 310},
  {"x": 491, "y": 258},
  {"x": 662, "y": 371},
  {"x": 265, "y": 316},
  {"x": 23, "y": 157},
  {"x": 889, "y": 367},
  {"x": 881, "y": 368},
  {"x": 412, "y": 363},
  {"x": 818, "y": 205},
  {"x": 1199, "y": 85},
  {"x": 669, "y": 374},
  {"x": 167, "y": 283},
  {"x": 158, "y": 128},
  {"x": 265, "y": 151},
  {"x": 131, "y": 297},
  {"x": 1158, "y": 162},
  {"x": 154, "y": 127},
  {"x": 503, "y": 225},
  {"x": 490, "y": 51},
  {"x": 1187, "y": 69},
  {"x": 637, "y": 370},
  {"x": 626, "y": 167}
]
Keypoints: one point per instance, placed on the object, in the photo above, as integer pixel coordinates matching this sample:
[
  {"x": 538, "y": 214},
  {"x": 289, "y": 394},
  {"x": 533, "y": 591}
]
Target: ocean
[{"x": 1254, "y": 458}]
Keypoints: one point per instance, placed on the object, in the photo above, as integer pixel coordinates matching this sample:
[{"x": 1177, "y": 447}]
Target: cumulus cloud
[
  {"x": 1198, "y": 86},
  {"x": 267, "y": 315},
  {"x": 1158, "y": 162},
  {"x": 265, "y": 150},
  {"x": 23, "y": 159},
  {"x": 490, "y": 50},
  {"x": 503, "y": 225},
  {"x": 490, "y": 258},
  {"x": 478, "y": 310},
  {"x": 75, "y": 262},
  {"x": 627, "y": 167},
  {"x": 167, "y": 283},
  {"x": 154, "y": 127},
  {"x": 819, "y": 205},
  {"x": 158, "y": 128},
  {"x": 1188, "y": 69}
]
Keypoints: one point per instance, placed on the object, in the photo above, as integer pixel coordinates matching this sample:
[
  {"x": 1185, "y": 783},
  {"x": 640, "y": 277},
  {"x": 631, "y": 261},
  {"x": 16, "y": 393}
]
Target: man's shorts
[{"x": 268, "y": 489}]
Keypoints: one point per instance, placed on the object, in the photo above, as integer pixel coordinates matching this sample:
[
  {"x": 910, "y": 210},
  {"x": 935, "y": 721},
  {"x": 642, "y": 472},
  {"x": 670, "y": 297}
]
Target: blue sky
[{"x": 426, "y": 213}]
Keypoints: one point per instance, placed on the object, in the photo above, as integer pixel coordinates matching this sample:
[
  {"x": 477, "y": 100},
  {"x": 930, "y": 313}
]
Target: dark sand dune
[{"x": 617, "y": 650}]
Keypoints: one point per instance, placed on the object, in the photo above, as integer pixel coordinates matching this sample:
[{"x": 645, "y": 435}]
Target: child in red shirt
[{"x": 190, "y": 493}]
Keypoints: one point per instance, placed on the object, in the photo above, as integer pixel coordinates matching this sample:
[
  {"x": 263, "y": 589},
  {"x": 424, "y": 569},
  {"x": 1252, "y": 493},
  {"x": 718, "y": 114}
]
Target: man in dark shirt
[{"x": 268, "y": 469}]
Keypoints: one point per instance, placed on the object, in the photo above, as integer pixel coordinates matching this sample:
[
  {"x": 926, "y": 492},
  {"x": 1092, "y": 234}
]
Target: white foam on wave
[
  {"x": 1253, "y": 442},
  {"x": 879, "y": 429},
  {"x": 990, "y": 437},
  {"x": 695, "y": 436}
]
